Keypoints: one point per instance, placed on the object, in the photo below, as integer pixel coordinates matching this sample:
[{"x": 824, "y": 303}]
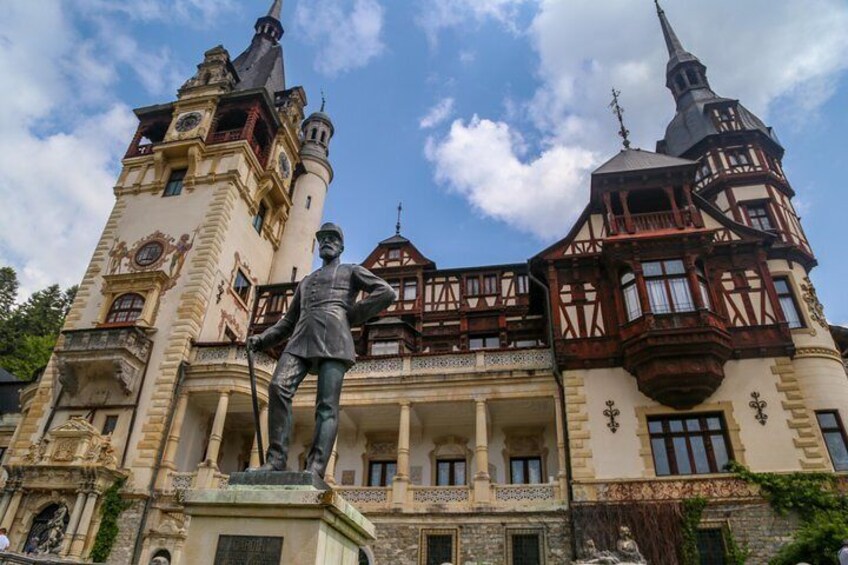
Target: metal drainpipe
[
  {"x": 139, "y": 540},
  {"x": 561, "y": 387}
]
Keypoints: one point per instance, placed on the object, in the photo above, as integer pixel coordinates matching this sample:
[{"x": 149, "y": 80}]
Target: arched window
[
  {"x": 125, "y": 309},
  {"x": 161, "y": 557},
  {"x": 631, "y": 296},
  {"x": 308, "y": 202},
  {"x": 681, "y": 82},
  {"x": 314, "y": 134},
  {"x": 693, "y": 78},
  {"x": 323, "y": 137}
]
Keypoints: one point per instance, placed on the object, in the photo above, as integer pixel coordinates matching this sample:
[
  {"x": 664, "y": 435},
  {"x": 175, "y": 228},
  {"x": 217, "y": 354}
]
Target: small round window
[{"x": 149, "y": 253}]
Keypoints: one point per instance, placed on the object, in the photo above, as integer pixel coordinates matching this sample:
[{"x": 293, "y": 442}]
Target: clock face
[
  {"x": 285, "y": 166},
  {"x": 188, "y": 122}
]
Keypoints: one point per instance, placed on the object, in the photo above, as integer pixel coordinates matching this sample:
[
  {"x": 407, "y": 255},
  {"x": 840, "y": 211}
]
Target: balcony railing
[{"x": 654, "y": 221}]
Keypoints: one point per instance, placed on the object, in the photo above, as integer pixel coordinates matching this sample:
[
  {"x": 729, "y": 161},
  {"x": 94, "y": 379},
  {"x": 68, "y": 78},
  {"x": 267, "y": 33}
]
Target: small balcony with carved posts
[
  {"x": 103, "y": 358},
  {"x": 152, "y": 128},
  {"x": 651, "y": 212},
  {"x": 245, "y": 120}
]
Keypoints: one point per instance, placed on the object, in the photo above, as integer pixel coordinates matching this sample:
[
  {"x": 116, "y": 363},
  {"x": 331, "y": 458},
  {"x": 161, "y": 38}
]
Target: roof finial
[
  {"x": 659, "y": 8},
  {"x": 323, "y": 100},
  {"x": 619, "y": 112},
  {"x": 397, "y": 225}
]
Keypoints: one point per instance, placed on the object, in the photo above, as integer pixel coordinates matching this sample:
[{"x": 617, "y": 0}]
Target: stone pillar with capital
[
  {"x": 482, "y": 480},
  {"x": 400, "y": 485},
  {"x": 79, "y": 537},
  {"x": 12, "y": 507},
  {"x": 73, "y": 523},
  {"x": 562, "y": 474},
  {"x": 207, "y": 469},
  {"x": 173, "y": 441}
]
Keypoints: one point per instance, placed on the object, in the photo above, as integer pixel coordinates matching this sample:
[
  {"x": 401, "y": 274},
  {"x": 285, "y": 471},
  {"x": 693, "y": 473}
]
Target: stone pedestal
[{"x": 273, "y": 518}]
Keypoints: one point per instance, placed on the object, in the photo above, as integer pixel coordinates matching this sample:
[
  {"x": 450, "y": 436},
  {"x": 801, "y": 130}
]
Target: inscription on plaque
[{"x": 249, "y": 550}]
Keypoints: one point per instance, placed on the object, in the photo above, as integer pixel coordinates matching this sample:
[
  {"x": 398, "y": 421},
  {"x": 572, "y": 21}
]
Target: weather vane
[
  {"x": 323, "y": 100},
  {"x": 397, "y": 225},
  {"x": 619, "y": 112}
]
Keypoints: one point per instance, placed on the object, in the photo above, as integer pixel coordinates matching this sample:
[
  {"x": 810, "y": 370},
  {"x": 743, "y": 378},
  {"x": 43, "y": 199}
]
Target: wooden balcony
[
  {"x": 654, "y": 221},
  {"x": 677, "y": 359}
]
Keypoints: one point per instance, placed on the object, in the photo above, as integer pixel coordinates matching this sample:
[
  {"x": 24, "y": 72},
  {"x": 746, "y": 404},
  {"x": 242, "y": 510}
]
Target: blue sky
[{"x": 484, "y": 117}]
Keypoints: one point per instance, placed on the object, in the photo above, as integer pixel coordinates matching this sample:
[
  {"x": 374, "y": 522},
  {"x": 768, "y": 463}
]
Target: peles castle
[{"x": 504, "y": 414}]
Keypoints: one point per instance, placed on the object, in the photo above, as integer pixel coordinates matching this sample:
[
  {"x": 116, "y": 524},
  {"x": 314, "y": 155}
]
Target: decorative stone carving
[
  {"x": 653, "y": 490},
  {"x": 524, "y": 492},
  {"x": 612, "y": 412},
  {"x": 811, "y": 299},
  {"x": 215, "y": 70},
  {"x": 50, "y": 540},
  {"x": 626, "y": 551},
  {"x": 369, "y": 495},
  {"x": 441, "y": 495},
  {"x": 116, "y": 354},
  {"x": 75, "y": 442}
]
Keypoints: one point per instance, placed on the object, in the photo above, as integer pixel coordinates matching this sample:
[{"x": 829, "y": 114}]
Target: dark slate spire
[
  {"x": 684, "y": 72},
  {"x": 686, "y": 77},
  {"x": 261, "y": 65}
]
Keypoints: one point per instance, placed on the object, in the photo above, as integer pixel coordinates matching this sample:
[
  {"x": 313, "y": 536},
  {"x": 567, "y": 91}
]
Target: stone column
[
  {"x": 173, "y": 441},
  {"x": 79, "y": 537},
  {"x": 12, "y": 509},
  {"x": 4, "y": 502},
  {"x": 73, "y": 523},
  {"x": 482, "y": 481},
  {"x": 329, "y": 476},
  {"x": 263, "y": 431},
  {"x": 207, "y": 469},
  {"x": 400, "y": 485},
  {"x": 562, "y": 475}
]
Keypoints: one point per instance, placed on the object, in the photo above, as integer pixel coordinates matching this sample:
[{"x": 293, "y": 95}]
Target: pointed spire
[
  {"x": 276, "y": 10},
  {"x": 623, "y": 132},
  {"x": 397, "y": 225},
  {"x": 673, "y": 44}
]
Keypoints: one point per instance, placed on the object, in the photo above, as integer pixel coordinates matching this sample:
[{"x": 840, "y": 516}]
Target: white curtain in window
[
  {"x": 705, "y": 295},
  {"x": 631, "y": 302},
  {"x": 789, "y": 312},
  {"x": 680, "y": 295},
  {"x": 658, "y": 297}
]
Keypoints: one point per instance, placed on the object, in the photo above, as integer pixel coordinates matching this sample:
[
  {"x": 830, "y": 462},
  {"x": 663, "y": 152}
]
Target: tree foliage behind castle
[{"x": 28, "y": 331}]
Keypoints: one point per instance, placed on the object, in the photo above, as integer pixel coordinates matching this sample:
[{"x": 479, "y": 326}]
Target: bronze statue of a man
[{"x": 322, "y": 311}]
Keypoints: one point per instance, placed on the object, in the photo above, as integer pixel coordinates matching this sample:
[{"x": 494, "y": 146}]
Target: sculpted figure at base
[
  {"x": 318, "y": 322},
  {"x": 626, "y": 551}
]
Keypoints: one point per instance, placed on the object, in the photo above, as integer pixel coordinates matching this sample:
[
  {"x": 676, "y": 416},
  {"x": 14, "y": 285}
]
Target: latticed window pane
[
  {"x": 439, "y": 549},
  {"x": 711, "y": 547},
  {"x": 758, "y": 216},
  {"x": 175, "y": 183},
  {"x": 834, "y": 438},
  {"x": 242, "y": 286},
  {"x": 696, "y": 444},
  {"x": 125, "y": 309},
  {"x": 526, "y": 549},
  {"x": 787, "y": 303}
]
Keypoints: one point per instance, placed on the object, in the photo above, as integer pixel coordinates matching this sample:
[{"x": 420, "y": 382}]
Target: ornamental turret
[{"x": 312, "y": 181}]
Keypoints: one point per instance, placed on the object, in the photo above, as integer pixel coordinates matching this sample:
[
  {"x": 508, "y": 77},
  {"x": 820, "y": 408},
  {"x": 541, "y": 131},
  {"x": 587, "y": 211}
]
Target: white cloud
[
  {"x": 784, "y": 56},
  {"x": 437, "y": 114},
  {"x": 480, "y": 161},
  {"x": 346, "y": 31},
  {"x": 196, "y": 13},
  {"x": 61, "y": 138},
  {"x": 438, "y": 15}
]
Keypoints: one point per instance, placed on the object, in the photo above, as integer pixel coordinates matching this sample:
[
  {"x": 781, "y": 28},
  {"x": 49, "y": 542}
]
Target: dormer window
[
  {"x": 394, "y": 253},
  {"x": 738, "y": 157},
  {"x": 758, "y": 216},
  {"x": 680, "y": 82},
  {"x": 703, "y": 171}
]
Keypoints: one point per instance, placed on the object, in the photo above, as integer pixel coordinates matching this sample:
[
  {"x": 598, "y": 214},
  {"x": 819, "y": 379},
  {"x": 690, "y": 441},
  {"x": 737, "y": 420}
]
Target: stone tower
[
  {"x": 203, "y": 205},
  {"x": 294, "y": 259}
]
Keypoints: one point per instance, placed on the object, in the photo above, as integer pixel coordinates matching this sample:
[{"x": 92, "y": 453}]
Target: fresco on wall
[{"x": 152, "y": 253}]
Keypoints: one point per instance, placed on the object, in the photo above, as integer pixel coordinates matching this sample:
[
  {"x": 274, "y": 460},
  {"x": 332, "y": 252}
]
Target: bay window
[
  {"x": 631, "y": 296},
  {"x": 668, "y": 288}
]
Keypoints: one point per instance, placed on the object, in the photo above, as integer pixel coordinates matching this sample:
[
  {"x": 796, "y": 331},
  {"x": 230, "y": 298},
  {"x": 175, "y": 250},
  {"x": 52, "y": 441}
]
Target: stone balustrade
[{"x": 461, "y": 362}]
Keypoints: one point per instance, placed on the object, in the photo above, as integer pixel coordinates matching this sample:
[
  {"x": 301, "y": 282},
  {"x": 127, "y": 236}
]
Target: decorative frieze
[
  {"x": 713, "y": 488},
  {"x": 504, "y": 493}
]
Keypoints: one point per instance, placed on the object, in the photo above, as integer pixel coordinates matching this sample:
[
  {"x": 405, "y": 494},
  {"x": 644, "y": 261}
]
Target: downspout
[
  {"x": 561, "y": 388},
  {"x": 139, "y": 540}
]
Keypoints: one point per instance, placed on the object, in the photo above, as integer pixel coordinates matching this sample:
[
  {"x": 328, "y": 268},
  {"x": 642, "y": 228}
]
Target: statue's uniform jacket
[{"x": 324, "y": 308}]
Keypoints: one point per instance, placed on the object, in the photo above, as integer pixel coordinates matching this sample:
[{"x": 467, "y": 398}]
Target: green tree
[
  {"x": 8, "y": 291},
  {"x": 28, "y": 331}
]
